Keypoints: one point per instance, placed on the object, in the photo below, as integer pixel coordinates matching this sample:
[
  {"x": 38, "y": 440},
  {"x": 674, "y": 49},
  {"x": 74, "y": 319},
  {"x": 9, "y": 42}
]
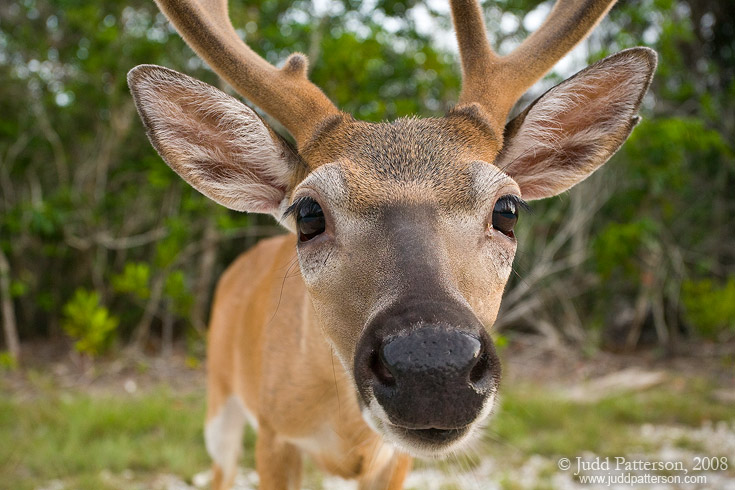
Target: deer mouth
[
  {"x": 427, "y": 442},
  {"x": 433, "y": 437}
]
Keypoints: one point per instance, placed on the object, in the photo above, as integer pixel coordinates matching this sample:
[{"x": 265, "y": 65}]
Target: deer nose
[
  {"x": 430, "y": 351},
  {"x": 432, "y": 377}
]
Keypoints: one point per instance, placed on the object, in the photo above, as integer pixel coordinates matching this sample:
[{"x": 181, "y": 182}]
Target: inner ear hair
[
  {"x": 214, "y": 142},
  {"x": 576, "y": 126}
]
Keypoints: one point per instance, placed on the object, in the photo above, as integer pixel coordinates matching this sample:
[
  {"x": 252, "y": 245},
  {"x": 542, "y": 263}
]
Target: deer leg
[
  {"x": 223, "y": 437},
  {"x": 390, "y": 477},
  {"x": 278, "y": 462}
]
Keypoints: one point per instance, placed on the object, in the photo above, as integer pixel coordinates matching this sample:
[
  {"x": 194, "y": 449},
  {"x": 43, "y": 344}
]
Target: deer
[{"x": 378, "y": 351}]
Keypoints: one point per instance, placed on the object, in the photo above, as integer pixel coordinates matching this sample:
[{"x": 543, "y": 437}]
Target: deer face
[
  {"x": 405, "y": 228},
  {"x": 405, "y": 244}
]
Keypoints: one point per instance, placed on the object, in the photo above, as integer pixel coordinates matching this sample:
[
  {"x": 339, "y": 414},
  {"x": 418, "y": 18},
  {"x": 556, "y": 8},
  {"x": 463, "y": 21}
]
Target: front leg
[
  {"x": 278, "y": 462},
  {"x": 391, "y": 476}
]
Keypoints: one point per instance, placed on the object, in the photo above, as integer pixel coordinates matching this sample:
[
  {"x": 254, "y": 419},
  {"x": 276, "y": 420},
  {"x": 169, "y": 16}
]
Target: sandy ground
[{"x": 716, "y": 439}]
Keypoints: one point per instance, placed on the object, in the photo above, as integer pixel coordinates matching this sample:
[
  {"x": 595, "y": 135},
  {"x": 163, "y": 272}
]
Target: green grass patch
[
  {"x": 93, "y": 441},
  {"x": 534, "y": 420},
  {"x": 74, "y": 437}
]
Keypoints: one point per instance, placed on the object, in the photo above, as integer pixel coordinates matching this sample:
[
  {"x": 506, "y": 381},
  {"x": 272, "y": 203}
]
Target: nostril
[
  {"x": 380, "y": 370},
  {"x": 480, "y": 369}
]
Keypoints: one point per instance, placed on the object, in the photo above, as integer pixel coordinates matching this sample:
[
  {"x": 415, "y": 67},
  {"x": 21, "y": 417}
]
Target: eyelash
[
  {"x": 291, "y": 210},
  {"x": 519, "y": 202}
]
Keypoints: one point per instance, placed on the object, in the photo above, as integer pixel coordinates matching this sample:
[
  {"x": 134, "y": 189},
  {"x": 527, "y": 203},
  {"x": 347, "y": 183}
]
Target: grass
[
  {"x": 73, "y": 437},
  {"x": 93, "y": 442},
  {"x": 534, "y": 421}
]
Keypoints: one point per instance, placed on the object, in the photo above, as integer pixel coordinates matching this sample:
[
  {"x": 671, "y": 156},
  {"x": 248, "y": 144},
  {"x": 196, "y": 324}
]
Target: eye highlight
[
  {"x": 505, "y": 214},
  {"x": 310, "y": 221}
]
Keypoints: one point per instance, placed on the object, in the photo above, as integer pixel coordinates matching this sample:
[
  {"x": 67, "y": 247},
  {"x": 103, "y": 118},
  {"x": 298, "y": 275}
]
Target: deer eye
[
  {"x": 309, "y": 219},
  {"x": 505, "y": 214}
]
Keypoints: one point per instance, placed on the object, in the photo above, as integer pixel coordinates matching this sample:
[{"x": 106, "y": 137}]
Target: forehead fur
[{"x": 406, "y": 158}]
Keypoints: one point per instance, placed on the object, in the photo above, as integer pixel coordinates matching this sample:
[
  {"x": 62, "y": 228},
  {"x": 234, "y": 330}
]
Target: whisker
[
  {"x": 280, "y": 293},
  {"x": 336, "y": 387}
]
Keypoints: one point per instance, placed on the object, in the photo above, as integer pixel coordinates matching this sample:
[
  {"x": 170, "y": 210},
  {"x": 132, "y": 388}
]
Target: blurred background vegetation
[{"x": 102, "y": 243}]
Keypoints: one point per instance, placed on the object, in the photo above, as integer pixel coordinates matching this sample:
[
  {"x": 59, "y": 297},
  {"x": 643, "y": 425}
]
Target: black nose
[
  {"x": 431, "y": 351},
  {"x": 433, "y": 377}
]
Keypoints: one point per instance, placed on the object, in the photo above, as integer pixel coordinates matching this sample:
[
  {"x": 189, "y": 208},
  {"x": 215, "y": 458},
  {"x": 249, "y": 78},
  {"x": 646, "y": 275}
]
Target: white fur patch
[
  {"x": 223, "y": 433},
  {"x": 324, "y": 440},
  {"x": 376, "y": 418}
]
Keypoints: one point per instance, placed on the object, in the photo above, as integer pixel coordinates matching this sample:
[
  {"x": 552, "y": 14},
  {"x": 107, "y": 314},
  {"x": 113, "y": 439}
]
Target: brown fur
[
  {"x": 433, "y": 152},
  {"x": 248, "y": 311}
]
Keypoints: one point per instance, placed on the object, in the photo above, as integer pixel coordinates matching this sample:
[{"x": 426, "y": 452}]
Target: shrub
[
  {"x": 709, "y": 307},
  {"x": 91, "y": 323}
]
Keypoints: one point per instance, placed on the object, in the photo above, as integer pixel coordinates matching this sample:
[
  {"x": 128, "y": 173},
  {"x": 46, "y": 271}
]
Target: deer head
[{"x": 405, "y": 228}]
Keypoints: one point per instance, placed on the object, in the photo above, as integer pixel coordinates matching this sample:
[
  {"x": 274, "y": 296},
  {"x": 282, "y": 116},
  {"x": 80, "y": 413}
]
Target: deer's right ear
[{"x": 215, "y": 143}]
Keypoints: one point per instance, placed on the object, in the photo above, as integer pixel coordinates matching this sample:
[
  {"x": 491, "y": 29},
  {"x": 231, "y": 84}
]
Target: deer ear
[
  {"x": 215, "y": 143},
  {"x": 575, "y": 127}
]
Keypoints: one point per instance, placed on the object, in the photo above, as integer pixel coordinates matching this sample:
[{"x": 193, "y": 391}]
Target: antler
[
  {"x": 497, "y": 82},
  {"x": 286, "y": 93}
]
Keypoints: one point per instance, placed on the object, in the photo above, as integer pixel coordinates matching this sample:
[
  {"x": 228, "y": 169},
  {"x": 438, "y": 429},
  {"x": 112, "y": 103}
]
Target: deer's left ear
[{"x": 575, "y": 127}]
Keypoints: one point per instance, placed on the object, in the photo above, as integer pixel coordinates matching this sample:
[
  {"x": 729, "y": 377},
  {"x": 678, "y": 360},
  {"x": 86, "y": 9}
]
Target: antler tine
[
  {"x": 286, "y": 93},
  {"x": 497, "y": 82}
]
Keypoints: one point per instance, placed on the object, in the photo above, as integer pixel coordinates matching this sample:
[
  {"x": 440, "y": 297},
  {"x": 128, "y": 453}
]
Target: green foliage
[
  {"x": 86, "y": 200},
  {"x": 18, "y": 288},
  {"x": 86, "y": 320},
  {"x": 176, "y": 289},
  {"x": 617, "y": 246},
  {"x": 709, "y": 307},
  {"x": 135, "y": 280},
  {"x": 8, "y": 362},
  {"x": 501, "y": 342}
]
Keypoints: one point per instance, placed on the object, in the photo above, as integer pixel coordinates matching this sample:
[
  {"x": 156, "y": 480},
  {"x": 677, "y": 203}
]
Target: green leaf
[{"x": 91, "y": 323}]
